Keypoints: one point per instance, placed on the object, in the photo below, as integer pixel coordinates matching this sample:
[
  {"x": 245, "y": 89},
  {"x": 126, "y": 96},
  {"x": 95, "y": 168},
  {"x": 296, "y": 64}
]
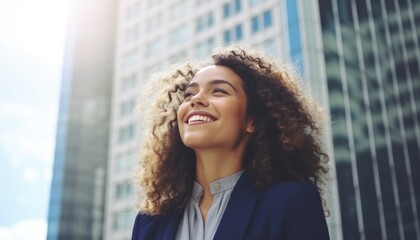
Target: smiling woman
[{"x": 234, "y": 152}]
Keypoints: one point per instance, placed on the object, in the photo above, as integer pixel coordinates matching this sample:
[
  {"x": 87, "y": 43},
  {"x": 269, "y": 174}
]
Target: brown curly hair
[{"x": 285, "y": 145}]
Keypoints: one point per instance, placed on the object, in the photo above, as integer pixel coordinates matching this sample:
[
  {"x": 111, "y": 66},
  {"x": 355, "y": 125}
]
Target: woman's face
[{"x": 213, "y": 113}]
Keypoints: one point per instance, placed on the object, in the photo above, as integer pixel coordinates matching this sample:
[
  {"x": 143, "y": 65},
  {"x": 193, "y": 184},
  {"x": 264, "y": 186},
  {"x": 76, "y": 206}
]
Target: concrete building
[{"x": 77, "y": 200}]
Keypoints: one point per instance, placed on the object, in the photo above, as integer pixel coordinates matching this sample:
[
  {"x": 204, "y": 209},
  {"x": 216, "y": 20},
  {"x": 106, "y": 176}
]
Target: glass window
[
  {"x": 126, "y": 161},
  {"x": 123, "y": 190},
  {"x": 131, "y": 58},
  {"x": 268, "y": 20},
  {"x": 155, "y": 47},
  {"x": 127, "y": 107},
  {"x": 154, "y": 22},
  {"x": 270, "y": 47},
  {"x": 294, "y": 37},
  {"x": 128, "y": 82},
  {"x": 198, "y": 24},
  {"x": 210, "y": 44},
  {"x": 254, "y": 24},
  {"x": 210, "y": 19},
  {"x": 132, "y": 33},
  {"x": 203, "y": 49},
  {"x": 126, "y": 133},
  {"x": 132, "y": 10},
  {"x": 226, "y": 36},
  {"x": 238, "y": 32},
  {"x": 123, "y": 220},
  {"x": 200, "y": 50},
  {"x": 253, "y": 2},
  {"x": 179, "y": 9},
  {"x": 131, "y": 131},
  {"x": 204, "y": 22},
  {"x": 118, "y": 191},
  {"x": 226, "y": 10},
  {"x": 179, "y": 35},
  {"x": 121, "y": 135},
  {"x": 237, "y": 6}
]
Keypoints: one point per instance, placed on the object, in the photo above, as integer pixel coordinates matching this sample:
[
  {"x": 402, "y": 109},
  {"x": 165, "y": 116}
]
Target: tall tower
[
  {"x": 372, "y": 62},
  {"x": 76, "y": 208}
]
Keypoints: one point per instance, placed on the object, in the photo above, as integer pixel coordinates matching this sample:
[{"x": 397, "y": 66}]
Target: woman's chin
[{"x": 201, "y": 143}]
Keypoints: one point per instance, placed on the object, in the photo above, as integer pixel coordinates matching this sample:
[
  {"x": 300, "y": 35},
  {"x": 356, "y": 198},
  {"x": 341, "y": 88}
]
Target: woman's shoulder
[
  {"x": 290, "y": 193},
  {"x": 144, "y": 219},
  {"x": 291, "y": 188},
  {"x": 285, "y": 208},
  {"x": 147, "y": 226}
]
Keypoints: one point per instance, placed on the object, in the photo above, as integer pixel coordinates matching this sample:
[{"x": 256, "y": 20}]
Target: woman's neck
[{"x": 210, "y": 166}]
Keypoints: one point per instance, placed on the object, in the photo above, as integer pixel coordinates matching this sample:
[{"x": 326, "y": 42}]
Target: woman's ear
[{"x": 250, "y": 126}]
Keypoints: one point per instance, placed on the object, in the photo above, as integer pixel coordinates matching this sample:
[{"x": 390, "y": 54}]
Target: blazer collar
[
  {"x": 235, "y": 220},
  {"x": 239, "y": 211},
  {"x": 169, "y": 225}
]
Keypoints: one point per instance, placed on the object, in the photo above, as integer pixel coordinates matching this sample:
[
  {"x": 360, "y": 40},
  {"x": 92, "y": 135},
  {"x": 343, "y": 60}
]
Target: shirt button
[{"x": 216, "y": 186}]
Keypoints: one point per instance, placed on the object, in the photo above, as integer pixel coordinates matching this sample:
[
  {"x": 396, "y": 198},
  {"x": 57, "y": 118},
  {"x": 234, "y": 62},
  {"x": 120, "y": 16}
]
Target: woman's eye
[
  {"x": 219, "y": 90},
  {"x": 188, "y": 95}
]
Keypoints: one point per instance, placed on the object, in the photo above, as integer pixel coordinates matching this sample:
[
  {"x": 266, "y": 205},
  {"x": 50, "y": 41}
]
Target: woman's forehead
[{"x": 216, "y": 72}]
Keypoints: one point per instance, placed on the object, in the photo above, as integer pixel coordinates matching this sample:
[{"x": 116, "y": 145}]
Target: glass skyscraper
[
  {"x": 77, "y": 199},
  {"x": 372, "y": 62}
]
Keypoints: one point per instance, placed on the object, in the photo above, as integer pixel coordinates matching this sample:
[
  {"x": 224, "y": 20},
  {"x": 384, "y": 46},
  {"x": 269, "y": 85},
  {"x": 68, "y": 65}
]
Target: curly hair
[{"x": 286, "y": 144}]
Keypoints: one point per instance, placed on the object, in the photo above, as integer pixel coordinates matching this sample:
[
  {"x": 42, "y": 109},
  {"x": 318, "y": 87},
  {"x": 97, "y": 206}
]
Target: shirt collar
[{"x": 217, "y": 186}]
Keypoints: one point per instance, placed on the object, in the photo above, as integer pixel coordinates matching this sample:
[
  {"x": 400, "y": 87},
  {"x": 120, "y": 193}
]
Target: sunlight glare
[{"x": 35, "y": 27}]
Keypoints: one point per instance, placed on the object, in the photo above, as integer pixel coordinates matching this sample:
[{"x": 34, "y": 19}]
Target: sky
[{"x": 32, "y": 37}]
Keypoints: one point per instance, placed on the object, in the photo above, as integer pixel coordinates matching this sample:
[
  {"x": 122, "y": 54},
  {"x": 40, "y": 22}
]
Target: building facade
[
  {"x": 77, "y": 198},
  {"x": 372, "y": 62}
]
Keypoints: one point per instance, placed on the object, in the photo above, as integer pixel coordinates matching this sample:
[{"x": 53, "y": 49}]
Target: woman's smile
[{"x": 198, "y": 117}]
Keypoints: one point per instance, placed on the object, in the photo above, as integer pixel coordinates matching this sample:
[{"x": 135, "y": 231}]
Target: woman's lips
[{"x": 199, "y": 117}]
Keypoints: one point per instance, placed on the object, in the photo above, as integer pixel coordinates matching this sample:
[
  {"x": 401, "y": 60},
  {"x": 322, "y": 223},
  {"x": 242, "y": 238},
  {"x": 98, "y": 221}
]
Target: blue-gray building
[{"x": 77, "y": 199}]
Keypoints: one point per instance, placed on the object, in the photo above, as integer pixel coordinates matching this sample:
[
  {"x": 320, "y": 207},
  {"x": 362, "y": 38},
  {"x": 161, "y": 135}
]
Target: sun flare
[{"x": 37, "y": 28}]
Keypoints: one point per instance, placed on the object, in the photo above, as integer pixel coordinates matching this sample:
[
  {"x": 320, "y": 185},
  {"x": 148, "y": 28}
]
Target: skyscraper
[
  {"x": 76, "y": 208},
  {"x": 372, "y": 62}
]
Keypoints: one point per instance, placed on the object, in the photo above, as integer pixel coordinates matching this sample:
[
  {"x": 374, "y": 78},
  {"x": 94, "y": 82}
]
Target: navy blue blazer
[{"x": 289, "y": 210}]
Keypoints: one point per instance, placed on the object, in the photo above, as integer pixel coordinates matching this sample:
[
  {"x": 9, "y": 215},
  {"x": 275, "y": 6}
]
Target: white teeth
[{"x": 201, "y": 118}]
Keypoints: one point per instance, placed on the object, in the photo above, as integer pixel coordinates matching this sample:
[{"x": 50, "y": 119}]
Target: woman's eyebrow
[
  {"x": 212, "y": 82},
  {"x": 194, "y": 84},
  {"x": 220, "y": 81}
]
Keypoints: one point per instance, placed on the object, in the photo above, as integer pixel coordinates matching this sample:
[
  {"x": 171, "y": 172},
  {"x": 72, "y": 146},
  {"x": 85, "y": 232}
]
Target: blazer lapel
[
  {"x": 239, "y": 211},
  {"x": 169, "y": 225}
]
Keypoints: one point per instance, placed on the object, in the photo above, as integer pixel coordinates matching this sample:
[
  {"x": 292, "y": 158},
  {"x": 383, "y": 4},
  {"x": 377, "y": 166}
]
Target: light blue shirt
[{"x": 192, "y": 225}]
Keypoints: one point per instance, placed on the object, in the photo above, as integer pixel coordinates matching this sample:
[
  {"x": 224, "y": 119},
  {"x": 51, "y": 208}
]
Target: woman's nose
[{"x": 200, "y": 100}]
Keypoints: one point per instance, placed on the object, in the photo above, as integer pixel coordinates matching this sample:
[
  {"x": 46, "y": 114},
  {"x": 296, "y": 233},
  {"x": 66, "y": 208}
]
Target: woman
[{"x": 234, "y": 153}]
